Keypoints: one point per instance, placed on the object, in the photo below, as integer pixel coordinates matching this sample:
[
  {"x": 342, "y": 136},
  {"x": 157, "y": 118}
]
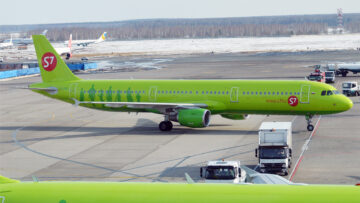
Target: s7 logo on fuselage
[{"x": 2, "y": 199}]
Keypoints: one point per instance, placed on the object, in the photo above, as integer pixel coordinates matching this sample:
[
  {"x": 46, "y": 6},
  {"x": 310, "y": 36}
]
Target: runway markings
[{"x": 304, "y": 148}]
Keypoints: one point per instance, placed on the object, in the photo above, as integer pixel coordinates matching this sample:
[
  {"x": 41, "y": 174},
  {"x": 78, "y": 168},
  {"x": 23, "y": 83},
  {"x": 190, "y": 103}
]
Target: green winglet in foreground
[
  {"x": 189, "y": 102},
  {"x": 12, "y": 191}
]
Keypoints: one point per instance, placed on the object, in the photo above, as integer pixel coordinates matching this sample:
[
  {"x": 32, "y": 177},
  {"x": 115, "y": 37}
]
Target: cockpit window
[
  {"x": 323, "y": 93},
  {"x": 329, "y": 92},
  {"x": 336, "y": 92}
]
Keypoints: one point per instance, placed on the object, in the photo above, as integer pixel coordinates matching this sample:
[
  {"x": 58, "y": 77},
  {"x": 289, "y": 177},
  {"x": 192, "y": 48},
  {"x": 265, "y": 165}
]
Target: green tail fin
[
  {"x": 52, "y": 67},
  {"x": 4, "y": 180}
]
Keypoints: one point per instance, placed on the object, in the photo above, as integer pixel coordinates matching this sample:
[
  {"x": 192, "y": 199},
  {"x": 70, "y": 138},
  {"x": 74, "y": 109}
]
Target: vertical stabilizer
[
  {"x": 52, "y": 67},
  {"x": 102, "y": 37}
]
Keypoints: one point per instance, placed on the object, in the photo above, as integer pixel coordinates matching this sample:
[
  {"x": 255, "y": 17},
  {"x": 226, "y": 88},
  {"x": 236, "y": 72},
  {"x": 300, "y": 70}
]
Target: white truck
[
  {"x": 223, "y": 172},
  {"x": 329, "y": 76},
  {"x": 350, "y": 88},
  {"x": 275, "y": 147}
]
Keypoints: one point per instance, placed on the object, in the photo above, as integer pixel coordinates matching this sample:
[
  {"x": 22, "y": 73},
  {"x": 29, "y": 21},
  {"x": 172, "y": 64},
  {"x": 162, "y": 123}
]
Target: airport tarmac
[{"x": 58, "y": 141}]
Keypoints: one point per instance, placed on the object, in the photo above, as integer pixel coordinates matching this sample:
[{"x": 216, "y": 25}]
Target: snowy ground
[
  {"x": 194, "y": 46},
  {"x": 231, "y": 45}
]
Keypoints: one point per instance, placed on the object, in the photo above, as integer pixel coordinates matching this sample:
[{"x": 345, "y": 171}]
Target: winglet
[
  {"x": 4, "y": 180},
  {"x": 189, "y": 179}
]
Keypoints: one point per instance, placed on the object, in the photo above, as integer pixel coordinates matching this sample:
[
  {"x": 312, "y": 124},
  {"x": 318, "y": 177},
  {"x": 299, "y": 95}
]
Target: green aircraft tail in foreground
[
  {"x": 189, "y": 102},
  {"x": 112, "y": 192}
]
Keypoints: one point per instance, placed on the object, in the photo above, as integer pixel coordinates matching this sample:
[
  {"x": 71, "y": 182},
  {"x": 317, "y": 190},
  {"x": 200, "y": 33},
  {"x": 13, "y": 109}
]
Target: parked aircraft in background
[
  {"x": 85, "y": 43},
  {"x": 24, "y": 41},
  {"x": 65, "y": 51},
  {"x": 189, "y": 102},
  {"x": 13, "y": 191},
  {"x": 6, "y": 45}
]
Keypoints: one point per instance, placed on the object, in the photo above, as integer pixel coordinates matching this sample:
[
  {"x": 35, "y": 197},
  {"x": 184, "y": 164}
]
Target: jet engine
[{"x": 194, "y": 118}]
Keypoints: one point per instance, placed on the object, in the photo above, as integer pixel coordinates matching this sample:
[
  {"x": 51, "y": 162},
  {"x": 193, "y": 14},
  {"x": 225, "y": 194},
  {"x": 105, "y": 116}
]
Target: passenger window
[
  {"x": 243, "y": 93},
  {"x": 264, "y": 93},
  {"x": 260, "y": 93},
  {"x": 329, "y": 93},
  {"x": 227, "y": 92},
  {"x": 323, "y": 93}
]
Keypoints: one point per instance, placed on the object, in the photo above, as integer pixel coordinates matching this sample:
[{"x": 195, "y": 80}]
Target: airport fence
[{"x": 32, "y": 71}]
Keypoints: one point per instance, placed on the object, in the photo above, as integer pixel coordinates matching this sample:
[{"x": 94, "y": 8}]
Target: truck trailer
[{"x": 275, "y": 147}]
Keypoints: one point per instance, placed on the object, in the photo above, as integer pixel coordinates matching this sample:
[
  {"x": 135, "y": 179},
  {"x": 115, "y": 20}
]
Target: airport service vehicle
[
  {"x": 344, "y": 68},
  {"x": 13, "y": 191},
  {"x": 275, "y": 147},
  {"x": 85, "y": 43},
  {"x": 189, "y": 102},
  {"x": 1, "y": 59},
  {"x": 223, "y": 172},
  {"x": 317, "y": 76},
  {"x": 350, "y": 88},
  {"x": 329, "y": 76}
]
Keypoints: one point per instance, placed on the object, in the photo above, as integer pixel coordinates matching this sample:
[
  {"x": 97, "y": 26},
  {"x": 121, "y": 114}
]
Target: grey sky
[{"x": 64, "y": 11}]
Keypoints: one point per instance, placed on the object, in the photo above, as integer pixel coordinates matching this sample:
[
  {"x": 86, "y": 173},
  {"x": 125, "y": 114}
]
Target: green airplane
[
  {"x": 189, "y": 102},
  {"x": 13, "y": 191}
]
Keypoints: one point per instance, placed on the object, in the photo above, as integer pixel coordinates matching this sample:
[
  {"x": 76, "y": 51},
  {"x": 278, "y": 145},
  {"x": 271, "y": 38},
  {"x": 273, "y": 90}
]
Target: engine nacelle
[
  {"x": 194, "y": 118},
  {"x": 235, "y": 116}
]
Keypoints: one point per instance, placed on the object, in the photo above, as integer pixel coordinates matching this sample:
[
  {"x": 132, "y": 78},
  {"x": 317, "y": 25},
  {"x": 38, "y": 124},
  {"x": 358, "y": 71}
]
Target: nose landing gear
[{"x": 308, "y": 118}]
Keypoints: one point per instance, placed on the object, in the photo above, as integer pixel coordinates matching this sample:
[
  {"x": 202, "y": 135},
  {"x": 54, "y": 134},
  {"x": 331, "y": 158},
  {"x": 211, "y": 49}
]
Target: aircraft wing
[
  {"x": 264, "y": 178},
  {"x": 146, "y": 105}
]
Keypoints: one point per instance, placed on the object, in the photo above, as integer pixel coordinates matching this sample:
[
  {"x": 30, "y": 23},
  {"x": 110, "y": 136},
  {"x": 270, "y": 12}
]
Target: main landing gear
[
  {"x": 166, "y": 125},
  {"x": 308, "y": 118}
]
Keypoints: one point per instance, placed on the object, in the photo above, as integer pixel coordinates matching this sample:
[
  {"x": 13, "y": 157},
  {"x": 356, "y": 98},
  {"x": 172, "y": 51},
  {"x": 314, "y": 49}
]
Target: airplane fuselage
[{"x": 221, "y": 96}]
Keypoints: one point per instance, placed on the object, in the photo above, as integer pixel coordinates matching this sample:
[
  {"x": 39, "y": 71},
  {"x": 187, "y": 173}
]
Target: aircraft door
[
  {"x": 234, "y": 95},
  {"x": 72, "y": 90},
  {"x": 305, "y": 94},
  {"x": 152, "y": 94}
]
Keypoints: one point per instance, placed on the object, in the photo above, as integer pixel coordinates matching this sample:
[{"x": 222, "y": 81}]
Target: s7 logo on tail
[{"x": 48, "y": 61}]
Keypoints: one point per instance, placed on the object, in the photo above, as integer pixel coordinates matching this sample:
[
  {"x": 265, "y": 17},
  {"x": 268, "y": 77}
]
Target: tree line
[{"x": 200, "y": 28}]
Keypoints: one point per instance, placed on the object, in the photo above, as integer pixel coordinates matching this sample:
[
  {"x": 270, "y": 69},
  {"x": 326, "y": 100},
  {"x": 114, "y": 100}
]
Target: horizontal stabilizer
[{"x": 4, "y": 180}]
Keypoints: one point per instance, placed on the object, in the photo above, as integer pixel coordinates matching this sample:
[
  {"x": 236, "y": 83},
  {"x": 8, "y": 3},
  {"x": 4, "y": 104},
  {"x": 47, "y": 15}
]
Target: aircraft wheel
[
  {"x": 286, "y": 173},
  {"x": 165, "y": 126},
  {"x": 310, "y": 127}
]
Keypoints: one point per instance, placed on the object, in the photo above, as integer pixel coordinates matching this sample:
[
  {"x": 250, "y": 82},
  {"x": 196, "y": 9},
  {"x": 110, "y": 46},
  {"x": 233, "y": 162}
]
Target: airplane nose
[{"x": 346, "y": 104}]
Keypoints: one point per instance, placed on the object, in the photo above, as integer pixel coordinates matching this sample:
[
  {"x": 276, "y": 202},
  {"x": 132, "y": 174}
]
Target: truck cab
[
  {"x": 329, "y": 76},
  {"x": 317, "y": 76},
  {"x": 223, "y": 172},
  {"x": 275, "y": 147},
  {"x": 350, "y": 88}
]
